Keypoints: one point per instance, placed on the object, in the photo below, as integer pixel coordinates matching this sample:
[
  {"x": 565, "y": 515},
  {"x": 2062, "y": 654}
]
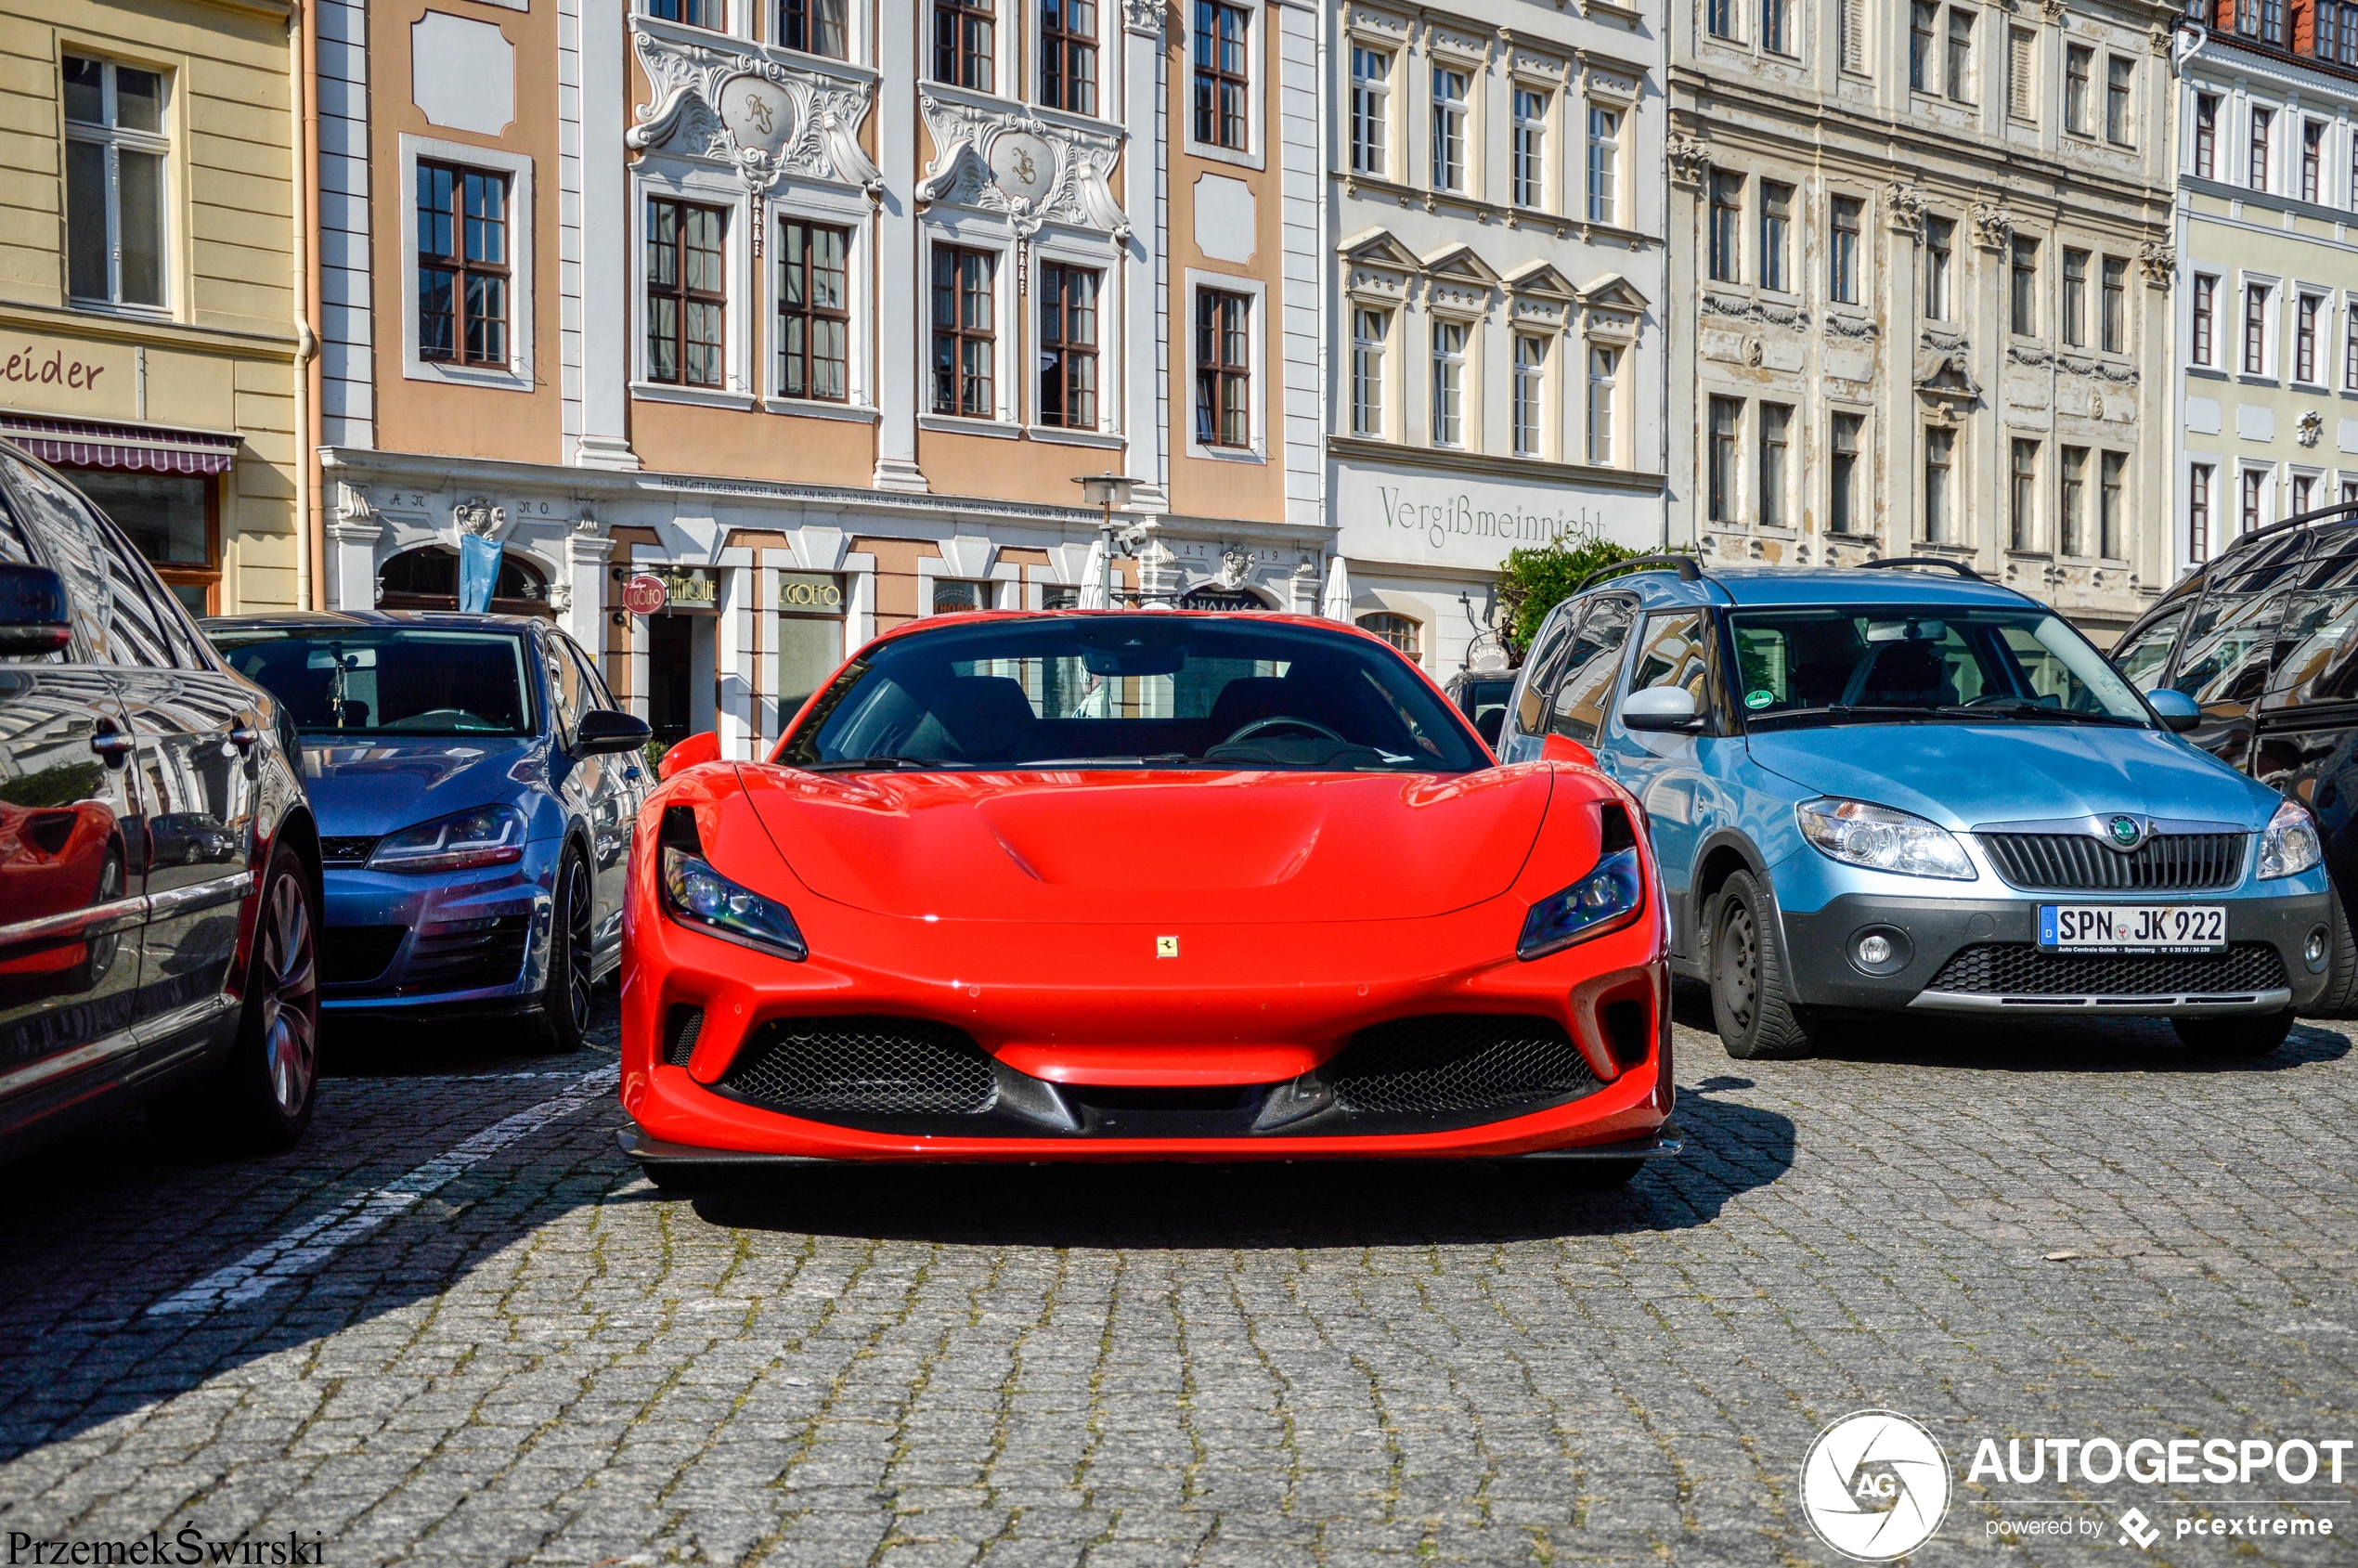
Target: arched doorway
[{"x": 427, "y": 579}]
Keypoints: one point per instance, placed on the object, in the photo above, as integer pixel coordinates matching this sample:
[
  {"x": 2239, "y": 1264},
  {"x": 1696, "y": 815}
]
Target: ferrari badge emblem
[{"x": 1166, "y": 947}]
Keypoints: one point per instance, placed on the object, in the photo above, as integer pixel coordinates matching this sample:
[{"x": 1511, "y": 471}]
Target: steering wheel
[{"x": 1283, "y": 722}]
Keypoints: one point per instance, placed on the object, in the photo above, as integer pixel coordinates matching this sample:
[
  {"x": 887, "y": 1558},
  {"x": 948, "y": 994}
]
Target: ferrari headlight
[
  {"x": 697, "y": 896},
  {"x": 2289, "y": 847},
  {"x": 487, "y": 836},
  {"x": 1605, "y": 900},
  {"x": 1882, "y": 839}
]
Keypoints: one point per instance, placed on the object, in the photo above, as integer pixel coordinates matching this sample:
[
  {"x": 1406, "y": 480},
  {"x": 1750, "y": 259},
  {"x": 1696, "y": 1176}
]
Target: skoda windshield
[
  {"x": 1151, "y": 690},
  {"x": 388, "y": 679},
  {"x": 1833, "y": 666}
]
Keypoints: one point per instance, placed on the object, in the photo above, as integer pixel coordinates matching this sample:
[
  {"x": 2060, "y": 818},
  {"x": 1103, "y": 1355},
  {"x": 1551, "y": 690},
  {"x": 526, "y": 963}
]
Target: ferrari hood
[{"x": 1176, "y": 847}]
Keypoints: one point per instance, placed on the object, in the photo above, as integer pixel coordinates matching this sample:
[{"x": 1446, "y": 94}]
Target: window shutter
[
  {"x": 2018, "y": 78},
  {"x": 1854, "y": 35}
]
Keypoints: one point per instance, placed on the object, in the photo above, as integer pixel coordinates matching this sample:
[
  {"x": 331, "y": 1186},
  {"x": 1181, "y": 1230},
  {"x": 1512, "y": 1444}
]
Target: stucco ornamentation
[
  {"x": 1144, "y": 16},
  {"x": 1993, "y": 227},
  {"x": 1850, "y": 327},
  {"x": 2159, "y": 262},
  {"x": 1765, "y": 311},
  {"x": 2311, "y": 428},
  {"x": 1905, "y": 205},
  {"x": 764, "y": 118},
  {"x": 970, "y": 169},
  {"x": 1690, "y": 159}
]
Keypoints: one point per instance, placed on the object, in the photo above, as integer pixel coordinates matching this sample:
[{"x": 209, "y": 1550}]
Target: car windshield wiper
[
  {"x": 1841, "y": 713},
  {"x": 878, "y": 765},
  {"x": 2024, "y": 707},
  {"x": 1157, "y": 759}
]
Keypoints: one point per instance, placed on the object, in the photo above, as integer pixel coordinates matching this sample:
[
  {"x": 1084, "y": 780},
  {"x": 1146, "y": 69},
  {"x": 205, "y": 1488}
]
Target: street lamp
[{"x": 1105, "y": 491}]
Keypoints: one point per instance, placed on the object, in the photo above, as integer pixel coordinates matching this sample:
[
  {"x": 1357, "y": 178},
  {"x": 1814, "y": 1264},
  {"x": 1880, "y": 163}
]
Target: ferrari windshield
[
  {"x": 388, "y": 679},
  {"x": 1152, "y": 690},
  {"x": 1845, "y": 664}
]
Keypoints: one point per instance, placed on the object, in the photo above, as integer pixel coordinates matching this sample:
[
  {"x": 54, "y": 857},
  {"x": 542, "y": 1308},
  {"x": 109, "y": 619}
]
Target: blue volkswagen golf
[
  {"x": 475, "y": 785},
  {"x": 1886, "y": 791}
]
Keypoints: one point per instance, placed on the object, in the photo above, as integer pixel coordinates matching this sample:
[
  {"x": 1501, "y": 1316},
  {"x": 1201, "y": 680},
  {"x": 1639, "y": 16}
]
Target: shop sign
[
  {"x": 692, "y": 590},
  {"x": 1429, "y": 519},
  {"x": 809, "y": 593},
  {"x": 644, "y": 595},
  {"x": 80, "y": 378}
]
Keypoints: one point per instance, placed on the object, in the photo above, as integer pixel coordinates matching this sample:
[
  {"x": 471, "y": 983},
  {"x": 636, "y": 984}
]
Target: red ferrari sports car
[{"x": 1139, "y": 885}]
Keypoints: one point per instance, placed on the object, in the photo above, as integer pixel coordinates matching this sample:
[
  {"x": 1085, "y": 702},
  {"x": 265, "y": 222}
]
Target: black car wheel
[
  {"x": 2339, "y": 999},
  {"x": 1755, "y": 1018},
  {"x": 264, "y": 1098},
  {"x": 2246, "y": 1034},
  {"x": 564, "y": 1001}
]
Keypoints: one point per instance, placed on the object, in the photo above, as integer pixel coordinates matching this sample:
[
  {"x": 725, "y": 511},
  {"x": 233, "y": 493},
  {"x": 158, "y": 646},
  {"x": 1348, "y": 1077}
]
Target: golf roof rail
[
  {"x": 1688, "y": 569},
  {"x": 1957, "y": 566}
]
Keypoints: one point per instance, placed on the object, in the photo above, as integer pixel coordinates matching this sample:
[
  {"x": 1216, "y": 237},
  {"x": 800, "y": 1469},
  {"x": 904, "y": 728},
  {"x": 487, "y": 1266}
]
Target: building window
[
  {"x": 2022, "y": 299},
  {"x": 2207, "y": 136},
  {"x": 696, "y": 13},
  {"x": 1531, "y": 379},
  {"x": 1224, "y": 74},
  {"x": 1369, "y": 329},
  {"x": 1725, "y": 412},
  {"x": 1224, "y": 369},
  {"x": 2263, "y": 122},
  {"x": 1940, "y": 235},
  {"x": 2079, "y": 63},
  {"x": 1448, "y": 129},
  {"x": 2022, "y": 495},
  {"x": 2338, "y": 33},
  {"x": 2312, "y": 159},
  {"x": 1941, "y": 466},
  {"x": 2303, "y": 487},
  {"x": 2075, "y": 297},
  {"x": 1852, "y": 19},
  {"x": 1398, "y": 630},
  {"x": 1068, "y": 55},
  {"x": 2114, "y": 338},
  {"x": 1960, "y": 62},
  {"x": 2255, "y": 496},
  {"x": 173, "y": 519},
  {"x": 1604, "y": 164},
  {"x": 2304, "y": 337},
  {"x": 1370, "y": 111},
  {"x": 1776, "y": 26},
  {"x": 1842, "y": 268},
  {"x": 1776, "y": 447},
  {"x": 953, "y": 597},
  {"x": 1776, "y": 228},
  {"x": 2114, "y": 467},
  {"x": 814, "y": 311},
  {"x": 1720, "y": 16},
  {"x": 1604, "y": 403},
  {"x": 115, "y": 152},
  {"x": 687, "y": 302},
  {"x": 965, "y": 332},
  {"x": 1530, "y": 147},
  {"x": 2072, "y": 511},
  {"x": 1448, "y": 384},
  {"x": 462, "y": 265},
  {"x": 2206, "y": 320},
  {"x": 1841, "y": 475},
  {"x": 2350, "y": 344},
  {"x": 2198, "y": 511},
  {"x": 1069, "y": 345},
  {"x": 1922, "y": 20},
  {"x": 816, "y": 26},
  {"x": 2256, "y": 329},
  {"x": 2119, "y": 73},
  {"x": 964, "y": 34},
  {"x": 2022, "y": 73},
  {"x": 1727, "y": 218}
]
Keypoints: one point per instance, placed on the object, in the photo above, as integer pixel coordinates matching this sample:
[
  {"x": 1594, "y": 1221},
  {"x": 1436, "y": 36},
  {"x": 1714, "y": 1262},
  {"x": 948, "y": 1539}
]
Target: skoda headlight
[
  {"x": 1882, "y": 839},
  {"x": 2289, "y": 847},
  {"x": 1605, "y": 900},
  {"x": 697, "y": 896},
  {"x": 487, "y": 836}
]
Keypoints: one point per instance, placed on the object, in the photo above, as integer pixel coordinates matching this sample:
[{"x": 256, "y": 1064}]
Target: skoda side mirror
[
  {"x": 33, "y": 611},
  {"x": 2177, "y": 711},
  {"x": 604, "y": 729},
  {"x": 1661, "y": 708}
]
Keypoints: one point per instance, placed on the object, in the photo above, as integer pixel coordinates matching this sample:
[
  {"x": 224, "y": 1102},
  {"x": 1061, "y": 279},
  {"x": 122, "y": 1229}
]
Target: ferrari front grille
[
  {"x": 681, "y": 1025},
  {"x": 2173, "y": 862},
  {"x": 2022, "y": 969},
  {"x": 866, "y": 1065},
  {"x": 1458, "y": 1061}
]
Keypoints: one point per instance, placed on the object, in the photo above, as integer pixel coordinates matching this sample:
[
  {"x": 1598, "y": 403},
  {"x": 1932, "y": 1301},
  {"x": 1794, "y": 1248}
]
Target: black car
[
  {"x": 1481, "y": 695},
  {"x": 2265, "y": 639},
  {"x": 159, "y": 868}
]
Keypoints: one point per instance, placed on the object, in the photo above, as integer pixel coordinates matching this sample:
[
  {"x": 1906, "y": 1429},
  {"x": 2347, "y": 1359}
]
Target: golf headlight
[
  {"x": 2289, "y": 847},
  {"x": 1605, "y": 900},
  {"x": 487, "y": 836},
  {"x": 695, "y": 895},
  {"x": 1882, "y": 839}
]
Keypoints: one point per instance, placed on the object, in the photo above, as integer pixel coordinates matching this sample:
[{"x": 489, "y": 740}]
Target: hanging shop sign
[
  {"x": 644, "y": 595},
  {"x": 809, "y": 593},
  {"x": 691, "y": 591}
]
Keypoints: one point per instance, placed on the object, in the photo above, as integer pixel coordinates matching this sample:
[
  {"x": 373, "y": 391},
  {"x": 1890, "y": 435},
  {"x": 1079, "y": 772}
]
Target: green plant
[
  {"x": 1537, "y": 579},
  {"x": 653, "y": 751}
]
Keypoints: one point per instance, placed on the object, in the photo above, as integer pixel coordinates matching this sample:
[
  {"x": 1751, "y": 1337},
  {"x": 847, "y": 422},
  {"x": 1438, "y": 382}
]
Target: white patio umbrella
[
  {"x": 1093, "y": 578},
  {"x": 1337, "y": 602}
]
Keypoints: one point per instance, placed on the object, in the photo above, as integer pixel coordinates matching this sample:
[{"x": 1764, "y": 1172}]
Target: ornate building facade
[{"x": 1924, "y": 259}]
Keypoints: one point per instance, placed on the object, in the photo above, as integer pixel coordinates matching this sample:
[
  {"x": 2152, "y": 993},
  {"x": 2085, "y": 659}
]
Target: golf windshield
[
  {"x": 388, "y": 680},
  {"x": 1155, "y": 689},
  {"x": 1841, "y": 665}
]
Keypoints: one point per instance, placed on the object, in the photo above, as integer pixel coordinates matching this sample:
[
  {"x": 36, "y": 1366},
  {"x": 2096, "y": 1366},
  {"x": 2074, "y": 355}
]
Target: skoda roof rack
[
  {"x": 1688, "y": 569},
  {"x": 1957, "y": 566}
]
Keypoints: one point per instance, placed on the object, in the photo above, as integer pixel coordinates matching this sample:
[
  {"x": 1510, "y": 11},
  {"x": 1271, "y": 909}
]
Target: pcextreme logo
[{"x": 1875, "y": 1485}]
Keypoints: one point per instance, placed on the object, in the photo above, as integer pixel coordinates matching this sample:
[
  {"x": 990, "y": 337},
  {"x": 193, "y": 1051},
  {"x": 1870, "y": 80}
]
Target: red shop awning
[{"x": 88, "y": 444}]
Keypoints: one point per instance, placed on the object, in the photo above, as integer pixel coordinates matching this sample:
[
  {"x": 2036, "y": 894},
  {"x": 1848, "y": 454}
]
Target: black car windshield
[
  {"x": 1843, "y": 665},
  {"x": 388, "y": 679},
  {"x": 1149, "y": 690}
]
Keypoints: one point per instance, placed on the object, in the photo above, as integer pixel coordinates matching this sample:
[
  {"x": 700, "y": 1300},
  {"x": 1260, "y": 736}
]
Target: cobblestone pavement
[{"x": 456, "y": 1326}]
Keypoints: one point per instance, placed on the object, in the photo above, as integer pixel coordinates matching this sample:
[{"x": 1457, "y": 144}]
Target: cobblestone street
[{"x": 457, "y": 1327}]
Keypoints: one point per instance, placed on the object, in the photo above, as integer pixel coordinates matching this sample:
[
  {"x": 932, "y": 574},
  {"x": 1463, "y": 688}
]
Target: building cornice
[
  {"x": 2229, "y": 51},
  {"x": 149, "y": 330},
  {"x": 1513, "y": 470},
  {"x": 1564, "y": 224}
]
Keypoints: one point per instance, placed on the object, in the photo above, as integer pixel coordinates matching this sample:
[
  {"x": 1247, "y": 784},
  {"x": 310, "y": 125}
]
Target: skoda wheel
[
  {"x": 2340, "y": 997},
  {"x": 1749, "y": 1003},
  {"x": 2246, "y": 1034},
  {"x": 564, "y": 1001}
]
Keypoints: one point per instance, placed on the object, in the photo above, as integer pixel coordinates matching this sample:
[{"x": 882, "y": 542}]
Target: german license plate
[{"x": 2132, "y": 928}]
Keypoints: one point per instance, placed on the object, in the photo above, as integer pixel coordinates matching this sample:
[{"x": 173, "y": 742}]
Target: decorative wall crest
[
  {"x": 1144, "y": 16},
  {"x": 2159, "y": 264},
  {"x": 766, "y": 119},
  {"x": 476, "y": 515},
  {"x": 1690, "y": 159},
  {"x": 1905, "y": 205},
  {"x": 1235, "y": 565},
  {"x": 1033, "y": 170},
  {"x": 2311, "y": 428},
  {"x": 1993, "y": 227}
]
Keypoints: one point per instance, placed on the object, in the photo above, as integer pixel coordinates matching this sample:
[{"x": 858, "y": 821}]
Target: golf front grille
[
  {"x": 2022, "y": 969},
  {"x": 467, "y": 954},
  {"x": 1458, "y": 1061},
  {"x": 865, "y": 1065},
  {"x": 347, "y": 852},
  {"x": 2175, "y": 863},
  {"x": 356, "y": 954}
]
